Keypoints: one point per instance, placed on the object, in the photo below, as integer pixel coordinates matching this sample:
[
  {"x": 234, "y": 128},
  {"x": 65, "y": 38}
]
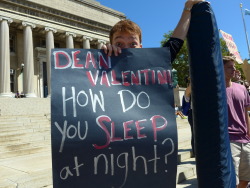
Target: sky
[{"x": 161, "y": 16}]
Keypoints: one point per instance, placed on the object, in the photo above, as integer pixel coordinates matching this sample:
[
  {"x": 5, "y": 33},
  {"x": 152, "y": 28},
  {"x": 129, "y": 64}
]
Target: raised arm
[
  {"x": 187, "y": 93},
  {"x": 182, "y": 27}
]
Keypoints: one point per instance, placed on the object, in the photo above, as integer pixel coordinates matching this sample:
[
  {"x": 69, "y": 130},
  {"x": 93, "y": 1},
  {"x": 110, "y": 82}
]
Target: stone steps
[
  {"x": 35, "y": 140},
  {"x": 9, "y": 119},
  {"x": 21, "y": 146},
  {"x": 186, "y": 165},
  {"x": 25, "y": 151},
  {"x": 22, "y": 121},
  {"x": 186, "y": 169},
  {"x": 24, "y": 148},
  {"x": 34, "y": 127},
  {"x": 25, "y": 143},
  {"x": 19, "y": 125},
  {"x": 190, "y": 182},
  {"x": 11, "y": 125},
  {"x": 24, "y": 129},
  {"x": 24, "y": 106},
  {"x": 15, "y": 145},
  {"x": 24, "y": 135}
]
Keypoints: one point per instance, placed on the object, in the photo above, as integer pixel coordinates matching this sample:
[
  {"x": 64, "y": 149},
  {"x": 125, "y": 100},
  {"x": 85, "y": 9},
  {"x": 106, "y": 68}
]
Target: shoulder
[
  {"x": 236, "y": 85},
  {"x": 173, "y": 40},
  {"x": 240, "y": 89}
]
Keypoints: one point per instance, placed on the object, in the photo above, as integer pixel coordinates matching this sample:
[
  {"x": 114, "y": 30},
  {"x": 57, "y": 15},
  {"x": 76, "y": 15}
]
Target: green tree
[{"x": 181, "y": 61}]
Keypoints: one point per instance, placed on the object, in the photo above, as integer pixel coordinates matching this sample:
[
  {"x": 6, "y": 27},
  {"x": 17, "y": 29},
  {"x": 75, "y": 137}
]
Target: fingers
[
  {"x": 189, "y": 3},
  {"x": 109, "y": 49},
  {"x": 117, "y": 50},
  {"x": 196, "y": 1},
  {"x": 192, "y": 2},
  {"x": 104, "y": 47}
]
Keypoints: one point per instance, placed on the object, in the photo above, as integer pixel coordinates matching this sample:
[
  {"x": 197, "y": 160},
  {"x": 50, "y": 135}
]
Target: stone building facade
[{"x": 29, "y": 29}]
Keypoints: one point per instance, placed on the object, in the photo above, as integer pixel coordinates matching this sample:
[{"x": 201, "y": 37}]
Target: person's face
[
  {"x": 229, "y": 70},
  {"x": 237, "y": 75},
  {"x": 126, "y": 40},
  {"x": 246, "y": 84}
]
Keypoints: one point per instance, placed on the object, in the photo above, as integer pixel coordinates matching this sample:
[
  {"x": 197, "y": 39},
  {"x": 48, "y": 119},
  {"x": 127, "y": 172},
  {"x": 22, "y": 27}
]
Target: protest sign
[
  {"x": 113, "y": 120},
  {"x": 231, "y": 46}
]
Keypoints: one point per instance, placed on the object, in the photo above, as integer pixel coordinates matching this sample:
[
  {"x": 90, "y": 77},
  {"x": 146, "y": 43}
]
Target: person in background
[
  {"x": 238, "y": 102},
  {"x": 187, "y": 98},
  {"x": 179, "y": 113},
  {"x": 187, "y": 80},
  {"x": 18, "y": 94},
  {"x": 237, "y": 77},
  {"x": 246, "y": 84}
]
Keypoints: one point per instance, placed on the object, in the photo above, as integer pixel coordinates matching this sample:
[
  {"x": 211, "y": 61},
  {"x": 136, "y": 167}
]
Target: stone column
[
  {"x": 28, "y": 74},
  {"x": 86, "y": 42},
  {"x": 5, "y": 57},
  {"x": 100, "y": 43},
  {"x": 49, "y": 46},
  {"x": 69, "y": 39}
]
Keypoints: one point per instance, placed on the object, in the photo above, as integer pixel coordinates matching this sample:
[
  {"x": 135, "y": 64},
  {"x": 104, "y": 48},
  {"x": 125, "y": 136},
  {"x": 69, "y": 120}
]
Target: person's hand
[
  {"x": 189, "y": 4},
  {"x": 188, "y": 90},
  {"x": 109, "y": 49},
  {"x": 248, "y": 132}
]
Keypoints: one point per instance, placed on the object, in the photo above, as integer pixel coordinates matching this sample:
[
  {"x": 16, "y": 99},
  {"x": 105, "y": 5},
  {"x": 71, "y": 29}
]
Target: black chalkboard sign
[{"x": 113, "y": 121}]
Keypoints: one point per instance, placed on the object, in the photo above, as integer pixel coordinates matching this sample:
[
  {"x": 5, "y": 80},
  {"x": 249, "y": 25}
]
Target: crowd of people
[
  {"x": 19, "y": 95},
  {"x": 237, "y": 78}
]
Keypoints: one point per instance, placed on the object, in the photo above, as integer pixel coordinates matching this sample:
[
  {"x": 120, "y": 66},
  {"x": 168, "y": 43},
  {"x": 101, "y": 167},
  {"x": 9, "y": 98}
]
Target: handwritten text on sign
[{"x": 112, "y": 118}]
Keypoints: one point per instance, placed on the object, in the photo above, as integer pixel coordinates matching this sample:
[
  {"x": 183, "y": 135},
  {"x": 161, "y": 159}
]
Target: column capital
[
  {"x": 9, "y": 20},
  {"x": 70, "y": 33},
  {"x": 50, "y": 29},
  {"x": 101, "y": 41},
  {"x": 25, "y": 24},
  {"x": 87, "y": 38}
]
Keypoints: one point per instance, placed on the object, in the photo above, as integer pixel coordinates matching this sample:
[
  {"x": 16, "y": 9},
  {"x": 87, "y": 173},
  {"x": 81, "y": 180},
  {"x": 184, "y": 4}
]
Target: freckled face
[{"x": 126, "y": 40}]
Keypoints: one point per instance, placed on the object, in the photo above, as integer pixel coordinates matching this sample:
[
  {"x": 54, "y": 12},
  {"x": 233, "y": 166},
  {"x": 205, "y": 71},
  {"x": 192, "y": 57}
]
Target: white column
[
  {"x": 100, "y": 43},
  {"x": 28, "y": 74},
  {"x": 49, "y": 46},
  {"x": 69, "y": 39},
  {"x": 5, "y": 57},
  {"x": 86, "y": 42}
]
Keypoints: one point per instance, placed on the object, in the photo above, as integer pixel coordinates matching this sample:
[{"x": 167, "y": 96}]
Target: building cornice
[
  {"x": 97, "y": 5},
  {"x": 9, "y": 20},
  {"x": 56, "y": 16}
]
